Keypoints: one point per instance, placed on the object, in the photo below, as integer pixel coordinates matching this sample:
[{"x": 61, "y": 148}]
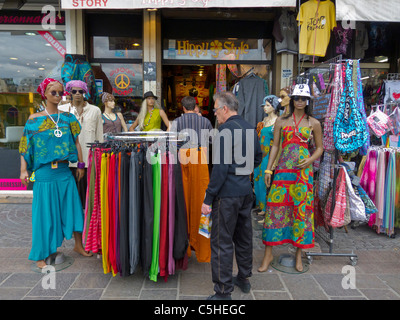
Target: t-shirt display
[{"x": 317, "y": 19}]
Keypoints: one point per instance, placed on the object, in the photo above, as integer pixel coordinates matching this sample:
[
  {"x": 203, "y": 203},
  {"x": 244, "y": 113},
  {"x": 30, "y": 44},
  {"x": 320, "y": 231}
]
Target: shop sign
[
  {"x": 122, "y": 82},
  {"x": 214, "y": 47},
  {"x": 11, "y": 184},
  {"x": 143, "y": 4},
  {"x": 54, "y": 42},
  {"x": 28, "y": 17},
  {"x": 217, "y": 49}
]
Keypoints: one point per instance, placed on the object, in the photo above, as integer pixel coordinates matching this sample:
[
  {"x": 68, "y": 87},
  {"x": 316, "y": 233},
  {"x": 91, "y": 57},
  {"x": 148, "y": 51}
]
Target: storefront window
[
  {"x": 117, "y": 47},
  {"x": 125, "y": 82},
  {"x": 26, "y": 58},
  {"x": 372, "y": 80}
]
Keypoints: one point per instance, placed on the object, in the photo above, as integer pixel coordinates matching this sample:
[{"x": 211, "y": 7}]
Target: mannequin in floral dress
[
  {"x": 289, "y": 216},
  {"x": 265, "y": 131}
]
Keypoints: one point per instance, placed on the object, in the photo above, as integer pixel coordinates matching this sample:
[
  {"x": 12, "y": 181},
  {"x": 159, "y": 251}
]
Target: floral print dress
[
  {"x": 266, "y": 141},
  {"x": 289, "y": 213}
]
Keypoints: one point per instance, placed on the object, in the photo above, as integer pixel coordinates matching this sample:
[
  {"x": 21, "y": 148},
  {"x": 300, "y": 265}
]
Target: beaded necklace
[{"x": 148, "y": 122}]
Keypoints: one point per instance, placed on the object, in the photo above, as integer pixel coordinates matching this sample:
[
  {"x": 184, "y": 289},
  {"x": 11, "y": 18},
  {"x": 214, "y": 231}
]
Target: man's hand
[{"x": 205, "y": 209}]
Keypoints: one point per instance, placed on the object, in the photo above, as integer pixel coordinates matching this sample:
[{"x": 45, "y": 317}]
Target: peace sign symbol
[{"x": 122, "y": 81}]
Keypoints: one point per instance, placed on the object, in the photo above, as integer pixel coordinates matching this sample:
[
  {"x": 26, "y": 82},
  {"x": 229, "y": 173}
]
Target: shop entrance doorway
[{"x": 197, "y": 81}]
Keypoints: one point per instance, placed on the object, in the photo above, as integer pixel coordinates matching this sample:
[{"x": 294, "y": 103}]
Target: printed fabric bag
[
  {"x": 378, "y": 121},
  {"x": 339, "y": 201},
  {"x": 349, "y": 130},
  {"x": 357, "y": 207}
]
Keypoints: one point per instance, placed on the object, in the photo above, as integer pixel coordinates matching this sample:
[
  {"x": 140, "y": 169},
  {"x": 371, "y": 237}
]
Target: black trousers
[
  {"x": 124, "y": 215},
  {"x": 81, "y": 185},
  {"x": 231, "y": 232},
  {"x": 147, "y": 218}
]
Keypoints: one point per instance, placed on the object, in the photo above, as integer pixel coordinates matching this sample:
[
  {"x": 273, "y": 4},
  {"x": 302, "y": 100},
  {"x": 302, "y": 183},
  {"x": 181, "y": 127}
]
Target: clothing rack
[
  {"x": 146, "y": 136},
  {"x": 328, "y": 237}
]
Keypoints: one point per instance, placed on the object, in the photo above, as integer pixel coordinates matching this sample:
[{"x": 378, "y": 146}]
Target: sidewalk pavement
[{"x": 377, "y": 271}]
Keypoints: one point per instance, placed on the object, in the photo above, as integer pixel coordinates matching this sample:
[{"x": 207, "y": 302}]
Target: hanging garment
[
  {"x": 135, "y": 205},
  {"x": 195, "y": 178},
  {"x": 317, "y": 20},
  {"x": 75, "y": 67},
  {"x": 328, "y": 141},
  {"x": 380, "y": 189},
  {"x": 181, "y": 238},
  {"x": 326, "y": 171},
  {"x": 156, "y": 168},
  {"x": 390, "y": 195},
  {"x": 368, "y": 176},
  {"x": 147, "y": 208},
  {"x": 163, "y": 256},
  {"x": 266, "y": 141},
  {"x": 397, "y": 192},
  {"x": 289, "y": 212},
  {"x": 104, "y": 212},
  {"x": 252, "y": 90},
  {"x": 171, "y": 213},
  {"x": 125, "y": 194}
]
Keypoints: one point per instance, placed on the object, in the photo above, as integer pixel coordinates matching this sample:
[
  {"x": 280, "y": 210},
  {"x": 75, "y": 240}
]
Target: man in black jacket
[{"x": 236, "y": 152}]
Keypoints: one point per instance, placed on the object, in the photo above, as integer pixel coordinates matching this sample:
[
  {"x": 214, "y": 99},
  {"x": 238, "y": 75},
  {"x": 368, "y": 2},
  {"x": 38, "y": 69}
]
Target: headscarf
[
  {"x": 76, "y": 84},
  {"x": 42, "y": 87},
  {"x": 106, "y": 96}
]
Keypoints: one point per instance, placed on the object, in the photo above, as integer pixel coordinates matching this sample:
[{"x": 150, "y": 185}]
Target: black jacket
[{"x": 236, "y": 152}]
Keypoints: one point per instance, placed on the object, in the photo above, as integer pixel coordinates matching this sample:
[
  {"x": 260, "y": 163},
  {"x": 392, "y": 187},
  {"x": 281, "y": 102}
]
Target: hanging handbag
[
  {"x": 349, "y": 131},
  {"x": 339, "y": 200},
  {"x": 357, "y": 207},
  {"x": 378, "y": 121}
]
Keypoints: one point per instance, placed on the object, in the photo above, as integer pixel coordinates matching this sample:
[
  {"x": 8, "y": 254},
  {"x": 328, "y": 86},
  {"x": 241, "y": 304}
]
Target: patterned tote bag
[{"x": 349, "y": 130}]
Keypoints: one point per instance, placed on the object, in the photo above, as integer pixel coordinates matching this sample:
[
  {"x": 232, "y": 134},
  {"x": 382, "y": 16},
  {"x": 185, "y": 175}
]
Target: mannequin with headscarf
[
  {"x": 89, "y": 117},
  {"x": 49, "y": 142},
  {"x": 113, "y": 122},
  {"x": 265, "y": 131}
]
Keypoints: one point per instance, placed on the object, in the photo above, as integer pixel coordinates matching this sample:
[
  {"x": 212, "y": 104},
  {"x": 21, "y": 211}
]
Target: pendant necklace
[{"x": 57, "y": 132}]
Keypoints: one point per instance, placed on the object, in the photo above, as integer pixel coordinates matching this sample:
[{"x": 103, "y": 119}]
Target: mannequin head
[
  {"x": 77, "y": 89},
  {"x": 271, "y": 105},
  {"x": 268, "y": 108},
  {"x": 108, "y": 101},
  {"x": 284, "y": 96},
  {"x": 53, "y": 93}
]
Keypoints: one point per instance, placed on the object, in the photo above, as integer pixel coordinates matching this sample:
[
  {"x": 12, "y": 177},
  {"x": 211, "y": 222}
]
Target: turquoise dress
[
  {"x": 266, "y": 141},
  {"x": 56, "y": 207}
]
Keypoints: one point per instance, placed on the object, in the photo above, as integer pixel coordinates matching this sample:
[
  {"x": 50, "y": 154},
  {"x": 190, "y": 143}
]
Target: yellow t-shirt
[{"x": 317, "y": 19}]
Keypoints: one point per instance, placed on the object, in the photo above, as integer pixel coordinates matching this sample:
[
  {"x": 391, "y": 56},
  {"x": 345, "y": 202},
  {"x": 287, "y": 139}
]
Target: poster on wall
[{"x": 149, "y": 71}]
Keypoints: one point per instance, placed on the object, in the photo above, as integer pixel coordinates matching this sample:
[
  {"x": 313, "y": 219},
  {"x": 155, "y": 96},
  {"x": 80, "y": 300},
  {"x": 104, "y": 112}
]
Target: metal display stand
[{"x": 328, "y": 237}]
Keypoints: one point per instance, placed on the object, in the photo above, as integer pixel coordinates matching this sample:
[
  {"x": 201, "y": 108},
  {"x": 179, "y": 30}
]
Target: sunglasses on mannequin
[
  {"x": 76, "y": 91},
  {"x": 297, "y": 98},
  {"x": 54, "y": 93}
]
